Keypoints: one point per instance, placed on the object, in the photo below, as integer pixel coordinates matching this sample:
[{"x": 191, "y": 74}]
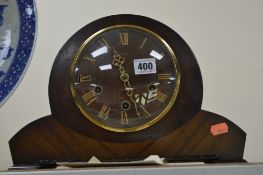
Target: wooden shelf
[{"x": 170, "y": 169}]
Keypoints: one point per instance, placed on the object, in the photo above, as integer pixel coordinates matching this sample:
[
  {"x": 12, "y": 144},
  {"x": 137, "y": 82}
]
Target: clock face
[{"x": 124, "y": 78}]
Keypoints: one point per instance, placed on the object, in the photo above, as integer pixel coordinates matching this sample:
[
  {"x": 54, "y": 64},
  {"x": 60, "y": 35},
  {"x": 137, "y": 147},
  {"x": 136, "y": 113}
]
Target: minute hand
[{"x": 118, "y": 61}]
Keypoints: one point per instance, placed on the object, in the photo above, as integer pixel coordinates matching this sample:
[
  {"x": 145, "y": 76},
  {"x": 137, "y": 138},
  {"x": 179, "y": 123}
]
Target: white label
[{"x": 144, "y": 66}]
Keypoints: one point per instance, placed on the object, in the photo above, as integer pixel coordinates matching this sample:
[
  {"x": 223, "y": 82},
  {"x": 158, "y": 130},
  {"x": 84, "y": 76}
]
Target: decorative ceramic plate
[{"x": 17, "y": 38}]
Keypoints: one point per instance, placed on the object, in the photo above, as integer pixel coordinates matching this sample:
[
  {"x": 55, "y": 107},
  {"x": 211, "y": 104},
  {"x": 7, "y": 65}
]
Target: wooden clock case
[{"x": 184, "y": 134}]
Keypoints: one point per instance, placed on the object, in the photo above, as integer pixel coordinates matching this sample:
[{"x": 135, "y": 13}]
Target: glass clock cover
[{"x": 124, "y": 78}]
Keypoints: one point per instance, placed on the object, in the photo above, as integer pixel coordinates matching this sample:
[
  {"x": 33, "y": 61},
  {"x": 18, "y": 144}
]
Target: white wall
[{"x": 225, "y": 35}]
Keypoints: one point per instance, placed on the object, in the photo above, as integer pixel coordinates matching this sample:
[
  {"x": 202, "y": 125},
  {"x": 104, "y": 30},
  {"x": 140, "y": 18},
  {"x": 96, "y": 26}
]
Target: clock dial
[{"x": 124, "y": 78}]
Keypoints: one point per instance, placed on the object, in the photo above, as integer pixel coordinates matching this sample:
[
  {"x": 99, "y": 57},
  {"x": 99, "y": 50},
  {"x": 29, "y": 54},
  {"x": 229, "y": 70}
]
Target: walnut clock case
[{"x": 122, "y": 88}]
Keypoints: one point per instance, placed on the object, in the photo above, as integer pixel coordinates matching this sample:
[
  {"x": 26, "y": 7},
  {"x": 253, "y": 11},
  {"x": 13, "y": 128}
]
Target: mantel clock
[{"x": 122, "y": 88}]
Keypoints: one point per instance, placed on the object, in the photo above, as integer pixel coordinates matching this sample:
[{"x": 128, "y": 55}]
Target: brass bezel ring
[{"x": 139, "y": 127}]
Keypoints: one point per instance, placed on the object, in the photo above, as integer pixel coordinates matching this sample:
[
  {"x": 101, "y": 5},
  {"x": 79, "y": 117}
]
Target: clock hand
[{"x": 118, "y": 61}]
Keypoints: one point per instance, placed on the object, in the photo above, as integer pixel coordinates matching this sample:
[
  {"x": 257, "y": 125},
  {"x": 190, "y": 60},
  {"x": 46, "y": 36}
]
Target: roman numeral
[
  {"x": 104, "y": 112},
  {"x": 92, "y": 60},
  {"x": 164, "y": 76},
  {"x": 84, "y": 78},
  {"x": 124, "y": 117},
  {"x": 124, "y": 39},
  {"x": 144, "y": 41},
  {"x": 146, "y": 113},
  {"x": 89, "y": 97},
  {"x": 103, "y": 42},
  {"x": 160, "y": 96}
]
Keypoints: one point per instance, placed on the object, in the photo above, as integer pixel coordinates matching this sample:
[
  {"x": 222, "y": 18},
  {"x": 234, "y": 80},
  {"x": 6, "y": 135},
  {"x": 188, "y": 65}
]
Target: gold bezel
[{"x": 139, "y": 127}]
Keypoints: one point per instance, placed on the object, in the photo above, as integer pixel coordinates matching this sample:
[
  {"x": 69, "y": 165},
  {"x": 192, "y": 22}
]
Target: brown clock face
[{"x": 124, "y": 78}]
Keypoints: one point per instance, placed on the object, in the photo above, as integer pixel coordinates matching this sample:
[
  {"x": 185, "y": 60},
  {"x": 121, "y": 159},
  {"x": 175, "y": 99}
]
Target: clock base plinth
[{"x": 207, "y": 137}]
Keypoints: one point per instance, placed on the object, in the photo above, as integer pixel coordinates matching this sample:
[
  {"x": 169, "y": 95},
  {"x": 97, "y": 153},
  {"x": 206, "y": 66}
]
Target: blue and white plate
[{"x": 17, "y": 38}]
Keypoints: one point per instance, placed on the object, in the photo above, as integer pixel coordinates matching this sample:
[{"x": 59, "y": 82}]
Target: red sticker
[{"x": 218, "y": 129}]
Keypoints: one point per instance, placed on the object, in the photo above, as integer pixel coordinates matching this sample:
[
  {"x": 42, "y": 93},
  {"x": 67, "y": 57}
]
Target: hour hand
[{"x": 118, "y": 60}]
